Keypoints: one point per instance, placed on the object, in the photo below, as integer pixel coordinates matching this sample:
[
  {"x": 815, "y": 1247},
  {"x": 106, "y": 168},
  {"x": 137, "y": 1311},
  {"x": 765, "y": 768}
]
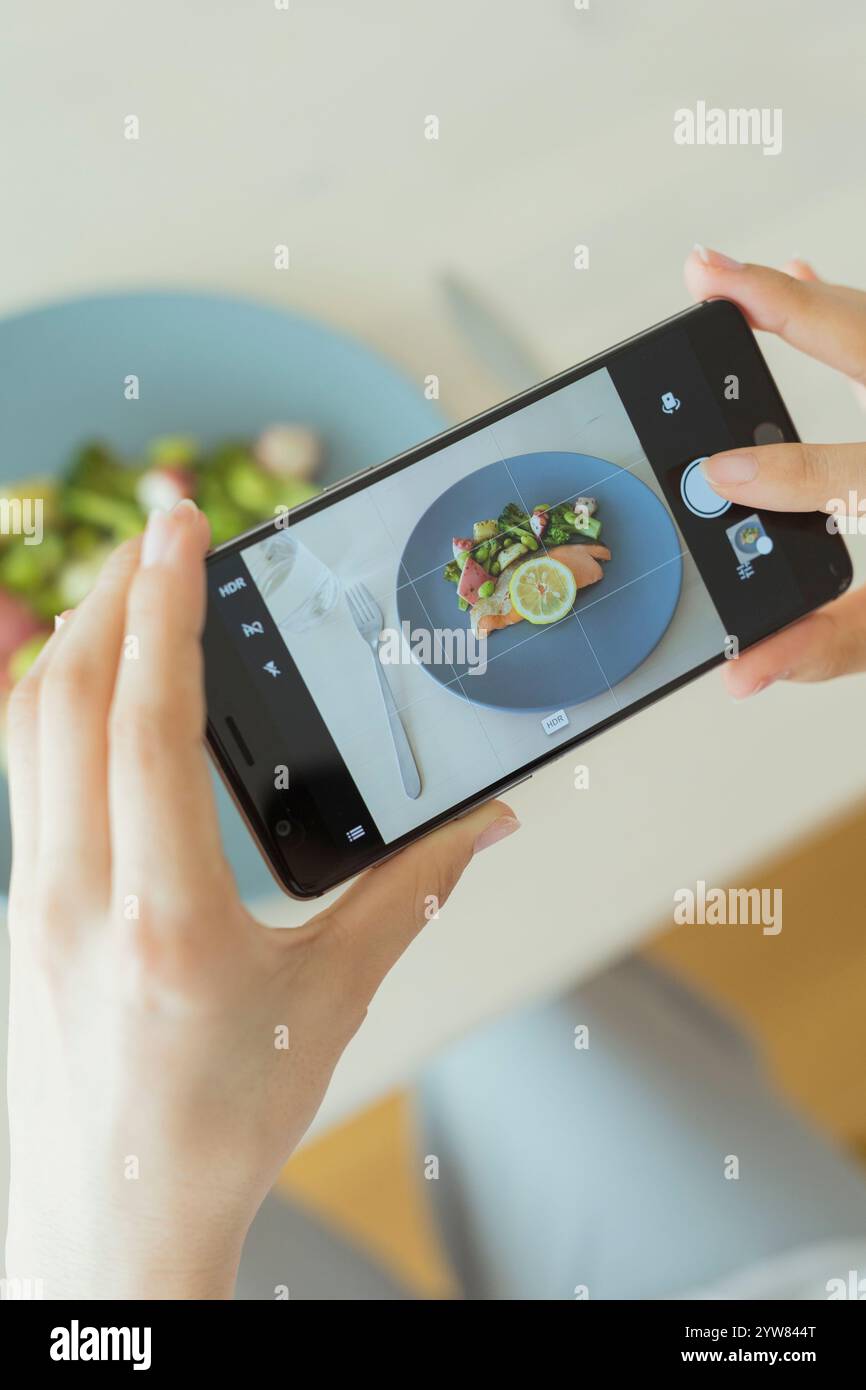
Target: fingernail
[
  {"x": 716, "y": 259},
  {"x": 60, "y": 618},
  {"x": 497, "y": 830},
  {"x": 731, "y": 468},
  {"x": 157, "y": 538},
  {"x": 190, "y": 510},
  {"x": 161, "y": 530},
  {"x": 765, "y": 683}
]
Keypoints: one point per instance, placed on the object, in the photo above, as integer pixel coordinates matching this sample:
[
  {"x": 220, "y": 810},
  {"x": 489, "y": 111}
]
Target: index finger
[
  {"x": 164, "y": 828},
  {"x": 826, "y": 321}
]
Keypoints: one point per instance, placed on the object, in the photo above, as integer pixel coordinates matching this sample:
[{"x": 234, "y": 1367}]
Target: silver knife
[{"x": 491, "y": 339}]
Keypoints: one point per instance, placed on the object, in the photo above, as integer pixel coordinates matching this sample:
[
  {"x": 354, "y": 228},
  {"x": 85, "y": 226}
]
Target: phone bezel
[{"x": 275, "y": 855}]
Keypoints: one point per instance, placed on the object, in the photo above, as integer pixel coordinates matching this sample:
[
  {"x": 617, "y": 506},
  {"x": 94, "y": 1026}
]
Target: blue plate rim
[{"x": 229, "y": 298}]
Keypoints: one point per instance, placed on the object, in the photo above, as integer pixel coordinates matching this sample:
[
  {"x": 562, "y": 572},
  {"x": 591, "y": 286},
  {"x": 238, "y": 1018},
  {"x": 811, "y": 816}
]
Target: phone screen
[{"x": 529, "y": 580}]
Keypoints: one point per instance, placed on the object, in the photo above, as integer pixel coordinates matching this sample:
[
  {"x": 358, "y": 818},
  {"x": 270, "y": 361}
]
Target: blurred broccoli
[{"x": 102, "y": 499}]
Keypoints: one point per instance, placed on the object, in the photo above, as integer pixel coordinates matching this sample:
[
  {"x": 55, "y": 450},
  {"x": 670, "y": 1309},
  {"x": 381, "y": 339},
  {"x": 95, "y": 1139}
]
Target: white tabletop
[{"x": 260, "y": 126}]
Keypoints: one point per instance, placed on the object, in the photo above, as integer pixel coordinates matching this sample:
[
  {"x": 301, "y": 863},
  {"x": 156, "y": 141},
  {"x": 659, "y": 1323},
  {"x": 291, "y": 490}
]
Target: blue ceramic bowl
[{"x": 209, "y": 366}]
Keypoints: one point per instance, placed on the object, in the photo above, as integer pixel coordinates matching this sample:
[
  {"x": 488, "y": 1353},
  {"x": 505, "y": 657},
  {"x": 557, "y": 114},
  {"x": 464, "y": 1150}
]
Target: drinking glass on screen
[{"x": 298, "y": 588}]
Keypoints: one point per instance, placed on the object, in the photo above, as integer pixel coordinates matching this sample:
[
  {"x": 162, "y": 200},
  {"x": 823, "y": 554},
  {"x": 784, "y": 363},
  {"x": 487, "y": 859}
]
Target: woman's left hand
[{"x": 167, "y": 1051}]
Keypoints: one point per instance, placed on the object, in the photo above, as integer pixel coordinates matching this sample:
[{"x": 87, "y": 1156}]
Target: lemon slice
[{"x": 542, "y": 589}]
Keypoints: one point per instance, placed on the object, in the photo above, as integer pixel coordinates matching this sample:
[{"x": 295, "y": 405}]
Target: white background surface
[{"x": 307, "y": 127}]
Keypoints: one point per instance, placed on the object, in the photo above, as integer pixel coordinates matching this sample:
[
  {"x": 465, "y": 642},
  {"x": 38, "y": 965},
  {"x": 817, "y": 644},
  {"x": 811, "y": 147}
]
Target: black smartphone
[{"x": 433, "y": 630}]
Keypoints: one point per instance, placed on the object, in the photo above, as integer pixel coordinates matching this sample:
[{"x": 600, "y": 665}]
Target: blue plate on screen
[
  {"x": 210, "y": 366},
  {"x": 614, "y": 624}
]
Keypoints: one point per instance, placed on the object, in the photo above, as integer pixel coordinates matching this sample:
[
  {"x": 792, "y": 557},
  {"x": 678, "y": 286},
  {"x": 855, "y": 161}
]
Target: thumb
[
  {"x": 791, "y": 477},
  {"x": 384, "y": 910}
]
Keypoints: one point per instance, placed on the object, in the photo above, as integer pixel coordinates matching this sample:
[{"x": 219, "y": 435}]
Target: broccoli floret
[
  {"x": 512, "y": 515},
  {"x": 558, "y": 535}
]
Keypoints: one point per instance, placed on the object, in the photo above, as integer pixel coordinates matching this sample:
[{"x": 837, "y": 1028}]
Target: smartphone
[{"x": 435, "y": 629}]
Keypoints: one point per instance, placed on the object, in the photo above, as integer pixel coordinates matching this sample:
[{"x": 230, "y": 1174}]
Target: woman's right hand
[{"x": 829, "y": 323}]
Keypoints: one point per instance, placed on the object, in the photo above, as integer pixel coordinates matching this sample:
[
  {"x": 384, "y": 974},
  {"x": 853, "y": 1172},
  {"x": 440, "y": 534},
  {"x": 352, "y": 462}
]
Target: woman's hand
[
  {"x": 152, "y": 1097},
  {"x": 827, "y": 322}
]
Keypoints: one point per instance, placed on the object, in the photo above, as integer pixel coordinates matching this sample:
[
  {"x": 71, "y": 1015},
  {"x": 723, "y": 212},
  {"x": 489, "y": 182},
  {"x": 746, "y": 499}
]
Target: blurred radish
[
  {"x": 289, "y": 451},
  {"x": 164, "y": 488},
  {"x": 17, "y": 623},
  {"x": 18, "y": 628}
]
